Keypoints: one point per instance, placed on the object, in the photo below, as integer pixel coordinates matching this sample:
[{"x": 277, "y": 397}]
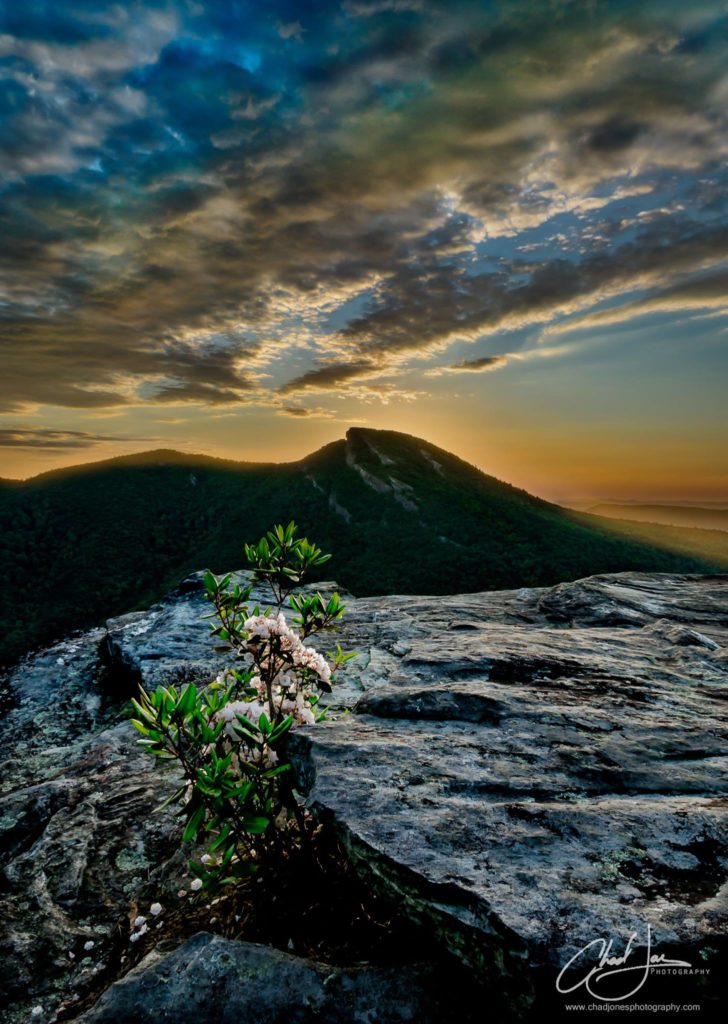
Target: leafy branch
[{"x": 228, "y": 738}]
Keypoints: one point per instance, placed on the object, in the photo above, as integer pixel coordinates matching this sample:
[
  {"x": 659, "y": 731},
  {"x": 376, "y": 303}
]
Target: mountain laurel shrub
[{"x": 237, "y": 797}]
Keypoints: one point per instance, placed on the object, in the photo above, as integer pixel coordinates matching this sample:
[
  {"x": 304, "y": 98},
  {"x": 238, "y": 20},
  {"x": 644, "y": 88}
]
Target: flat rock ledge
[{"x": 525, "y": 771}]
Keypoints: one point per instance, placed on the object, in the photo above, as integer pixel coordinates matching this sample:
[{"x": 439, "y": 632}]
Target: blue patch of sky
[
  {"x": 634, "y": 364},
  {"x": 349, "y": 310},
  {"x": 561, "y": 235}
]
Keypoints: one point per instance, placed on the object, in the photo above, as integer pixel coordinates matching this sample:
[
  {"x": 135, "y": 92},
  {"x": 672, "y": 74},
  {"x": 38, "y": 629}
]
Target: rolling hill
[
  {"x": 667, "y": 515},
  {"x": 399, "y": 515}
]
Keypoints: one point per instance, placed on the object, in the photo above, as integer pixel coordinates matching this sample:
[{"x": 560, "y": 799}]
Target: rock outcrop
[
  {"x": 525, "y": 771},
  {"x": 526, "y": 790}
]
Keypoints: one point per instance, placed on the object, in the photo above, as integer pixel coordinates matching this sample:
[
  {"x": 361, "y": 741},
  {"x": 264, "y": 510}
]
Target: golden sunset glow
[{"x": 497, "y": 227}]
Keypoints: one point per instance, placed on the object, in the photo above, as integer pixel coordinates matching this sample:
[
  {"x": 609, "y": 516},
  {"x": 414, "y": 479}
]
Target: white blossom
[
  {"x": 156, "y": 908},
  {"x": 89, "y": 945},
  {"x": 196, "y": 884}
]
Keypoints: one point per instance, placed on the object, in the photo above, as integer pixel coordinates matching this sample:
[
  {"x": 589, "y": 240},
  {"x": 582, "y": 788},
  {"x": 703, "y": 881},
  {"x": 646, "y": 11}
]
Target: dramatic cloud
[
  {"x": 219, "y": 204},
  {"x": 301, "y": 412},
  {"x": 62, "y": 439},
  {"x": 325, "y": 377},
  {"x": 427, "y": 307},
  {"x": 707, "y": 292},
  {"x": 484, "y": 365}
]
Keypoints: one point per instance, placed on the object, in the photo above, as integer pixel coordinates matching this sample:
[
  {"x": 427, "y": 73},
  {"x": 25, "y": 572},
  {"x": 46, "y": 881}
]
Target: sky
[{"x": 239, "y": 228}]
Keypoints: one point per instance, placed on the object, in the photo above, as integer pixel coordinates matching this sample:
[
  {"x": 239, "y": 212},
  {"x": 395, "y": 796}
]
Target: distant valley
[{"x": 667, "y": 515}]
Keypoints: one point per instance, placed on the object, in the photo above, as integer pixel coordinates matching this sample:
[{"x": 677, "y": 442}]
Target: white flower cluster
[
  {"x": 307, "y": 657},
  {"x": 266, "y": 627},
  {"x": 298, "y": 707},
  {"x": 289, "y": 694},
  {"x": 140, "y": 926},
  {"x": 252, "y": 710}
]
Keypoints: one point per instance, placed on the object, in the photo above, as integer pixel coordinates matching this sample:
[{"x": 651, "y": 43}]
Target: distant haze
[{"x": 715, "y": 518}]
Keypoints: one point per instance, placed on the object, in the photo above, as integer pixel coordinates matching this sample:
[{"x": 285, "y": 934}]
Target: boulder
[{"x": 221, "y": 981}]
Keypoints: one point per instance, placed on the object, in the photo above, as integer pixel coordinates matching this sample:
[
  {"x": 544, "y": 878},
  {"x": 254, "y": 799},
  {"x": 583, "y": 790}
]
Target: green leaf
[
  {"x": 255, "y": 824},
  {"x": 188, "y": 699},
  {"x": 280, "y": 729},
  {"x": 172, "y": 799},
  {"x": 193, "y": 825},
  {"x": 220, "y": 841},
  {"x": 206, "y": 790},
  {"x": 244, "y": 725}
]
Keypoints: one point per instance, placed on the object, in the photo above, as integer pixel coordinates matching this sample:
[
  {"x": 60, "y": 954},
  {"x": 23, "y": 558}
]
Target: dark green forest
[{"x": 400, "y": 516}]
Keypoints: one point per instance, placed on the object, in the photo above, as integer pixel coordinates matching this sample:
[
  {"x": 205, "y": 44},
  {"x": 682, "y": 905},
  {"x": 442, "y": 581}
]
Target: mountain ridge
[
  {"x": 399, "y": 514},
  {"x": 174, "y": 456},
  {"x": 167, "y": 456}
]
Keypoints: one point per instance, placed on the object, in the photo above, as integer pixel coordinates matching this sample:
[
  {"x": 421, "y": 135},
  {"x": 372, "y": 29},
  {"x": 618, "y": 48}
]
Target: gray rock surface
[
  {"x": 79, "y": 842},
  {"x": 525, "y": 770},
  {"x": 171, "y": 642},
  {"x": 220, "y": 981},
  {"x": 525, "y": 790}
]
